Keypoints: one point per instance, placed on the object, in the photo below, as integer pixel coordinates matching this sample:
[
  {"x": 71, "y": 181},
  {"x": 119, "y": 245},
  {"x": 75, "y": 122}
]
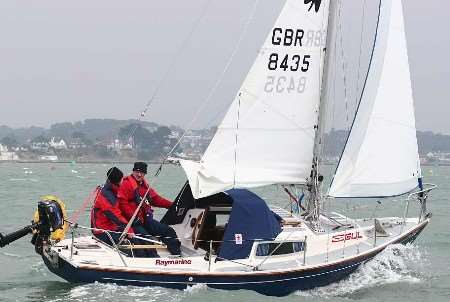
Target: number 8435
[
  {"x": 292, "y": 63},
  {"x": 285, "y": 84}
]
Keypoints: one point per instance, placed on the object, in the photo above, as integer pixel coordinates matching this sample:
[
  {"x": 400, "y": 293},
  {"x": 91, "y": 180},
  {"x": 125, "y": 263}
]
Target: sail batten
[
  {"x": 267, "y": 134},
  {"x": 381, "y": 158}
]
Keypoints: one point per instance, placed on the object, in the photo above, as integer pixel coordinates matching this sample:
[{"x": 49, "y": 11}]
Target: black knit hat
[
  {"x": 114, "y": 175},
  {"x": 140, "y": 166}
]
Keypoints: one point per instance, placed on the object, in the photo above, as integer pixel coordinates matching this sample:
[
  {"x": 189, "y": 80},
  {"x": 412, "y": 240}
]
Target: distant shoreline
[
  {"x": 70, "y": 161},
  {"x": 149, "y": 162}
]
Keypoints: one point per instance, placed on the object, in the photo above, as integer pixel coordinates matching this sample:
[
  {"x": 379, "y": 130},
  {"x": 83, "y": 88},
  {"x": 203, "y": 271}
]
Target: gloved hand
[{"x": 148, "y": 213}]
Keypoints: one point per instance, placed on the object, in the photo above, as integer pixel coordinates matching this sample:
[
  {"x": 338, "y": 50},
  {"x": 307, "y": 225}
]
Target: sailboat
[{"x": 272, "y": 134}]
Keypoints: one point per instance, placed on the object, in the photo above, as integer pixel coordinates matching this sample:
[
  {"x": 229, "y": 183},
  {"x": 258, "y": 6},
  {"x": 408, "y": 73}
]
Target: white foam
[
  {"x": 79, "y": 292},
  {"x": 150, "y": 293},
  {"x": 394, "y": 265},
  {"x": 39, "y": 268},
  {"x": 110, "y": 291},
  {"x": 23, "y": 179},
  {"x": 196, "y": 288}
]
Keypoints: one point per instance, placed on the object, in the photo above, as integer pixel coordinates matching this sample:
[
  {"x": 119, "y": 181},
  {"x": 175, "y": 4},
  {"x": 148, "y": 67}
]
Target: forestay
[
  {"x": 267, "y": 135},
  {"x": 381, "y": 155}
]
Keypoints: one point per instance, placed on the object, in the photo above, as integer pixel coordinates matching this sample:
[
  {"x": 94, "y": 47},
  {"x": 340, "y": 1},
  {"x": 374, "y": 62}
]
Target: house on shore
[{"x": 7, "y": 155}]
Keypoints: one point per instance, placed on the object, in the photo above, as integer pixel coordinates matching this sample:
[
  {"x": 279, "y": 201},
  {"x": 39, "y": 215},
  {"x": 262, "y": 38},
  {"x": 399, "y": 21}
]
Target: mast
[{"x": 315, "y": 179}]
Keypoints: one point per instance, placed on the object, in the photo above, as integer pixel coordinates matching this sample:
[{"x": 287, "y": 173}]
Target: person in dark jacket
[
  {"x": 106, "y": 214},
  {"x": 135, "y": 187}
]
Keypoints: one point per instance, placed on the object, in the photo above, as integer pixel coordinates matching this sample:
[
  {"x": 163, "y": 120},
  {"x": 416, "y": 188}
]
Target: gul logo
[
  {"x": 315, "y": 3},
  {"x": 346, "y": 237},
  {"x": 172, "y": 262}
]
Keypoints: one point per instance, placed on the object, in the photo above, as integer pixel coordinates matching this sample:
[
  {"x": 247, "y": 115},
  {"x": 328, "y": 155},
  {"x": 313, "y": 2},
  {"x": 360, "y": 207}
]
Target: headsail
[
  {"x": 267, "y": 135},
  {"x": 381, "y": 155}
]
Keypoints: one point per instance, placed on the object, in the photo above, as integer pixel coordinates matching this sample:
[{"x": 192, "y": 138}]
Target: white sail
[
  {"x": 267, "y": 135},
  {"x": 381, "y": 155}
]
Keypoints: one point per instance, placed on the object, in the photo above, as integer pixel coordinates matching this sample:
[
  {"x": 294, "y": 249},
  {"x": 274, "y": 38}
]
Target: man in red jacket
[
  {"x": 134, "y": 187},
  {"x": 106, "y": 215}
]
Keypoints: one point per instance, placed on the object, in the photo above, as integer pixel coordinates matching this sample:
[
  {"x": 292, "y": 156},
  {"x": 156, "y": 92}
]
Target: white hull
[{"x": 332, "y": 254}]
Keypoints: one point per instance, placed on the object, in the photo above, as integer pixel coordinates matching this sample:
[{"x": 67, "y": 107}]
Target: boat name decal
[
  {"x": 346, "y": 236},
  {"x": 172, "y": 261}
]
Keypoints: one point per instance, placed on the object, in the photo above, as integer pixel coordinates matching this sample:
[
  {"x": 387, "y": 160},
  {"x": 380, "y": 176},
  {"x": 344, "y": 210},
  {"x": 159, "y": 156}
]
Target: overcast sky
[{"x": 72, "y": 60}]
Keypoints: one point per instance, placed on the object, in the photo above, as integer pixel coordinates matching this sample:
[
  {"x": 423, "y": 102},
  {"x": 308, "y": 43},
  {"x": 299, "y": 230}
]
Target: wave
[
  {"x": 24, "y": 179},
  {"x": 195, "y": 289},
  {"x": 39, "y": 269},
  {"x": 396, "y": 264},
  {"x": 11, "y": 255},
  {"x": 109, "y": 292}
]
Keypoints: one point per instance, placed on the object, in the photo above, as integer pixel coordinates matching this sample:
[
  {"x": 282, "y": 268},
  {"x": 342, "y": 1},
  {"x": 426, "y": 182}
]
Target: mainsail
[
  {"x": 267, "y": 135},
  {"x": 381, "y": 156}
]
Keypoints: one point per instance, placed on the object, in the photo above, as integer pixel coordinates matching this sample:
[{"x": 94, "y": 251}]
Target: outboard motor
[{"x": 49, "y": 219}]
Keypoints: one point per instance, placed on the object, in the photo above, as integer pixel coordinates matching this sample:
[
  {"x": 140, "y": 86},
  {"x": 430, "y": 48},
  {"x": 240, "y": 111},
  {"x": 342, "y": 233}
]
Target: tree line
[
  {"x": 151, "y": 140},
  {"x": 148, "y": 140}
]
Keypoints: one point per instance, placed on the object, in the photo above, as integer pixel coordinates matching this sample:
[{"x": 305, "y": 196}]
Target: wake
[{"x": 396, "y": 264}]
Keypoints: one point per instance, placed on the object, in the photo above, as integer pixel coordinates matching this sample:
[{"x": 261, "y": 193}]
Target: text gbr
[{"x": 288, "y": 37}]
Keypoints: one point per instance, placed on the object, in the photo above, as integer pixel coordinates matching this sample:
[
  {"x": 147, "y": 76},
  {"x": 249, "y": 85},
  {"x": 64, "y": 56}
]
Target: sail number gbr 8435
[{"x": 295, "y": 64}]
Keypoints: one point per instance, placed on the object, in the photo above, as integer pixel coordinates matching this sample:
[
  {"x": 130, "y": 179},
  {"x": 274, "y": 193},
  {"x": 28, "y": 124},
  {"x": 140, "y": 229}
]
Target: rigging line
[
  {"x": 146, "y": 237},
  {"x": 216, "y": 84},
  {"x": 346, "y": 222},
  {"x": 344, "y": 65},
  {"x": 128, "y": 226},
  {"x": 360, "y": 49},
  {"x": 163, "y": 79},
  {"x": 134, "y": 128},
  {"x": 88, "y": 201},
  {"x": 362, "y": 91},
  {"x": 236, "y": 134}
]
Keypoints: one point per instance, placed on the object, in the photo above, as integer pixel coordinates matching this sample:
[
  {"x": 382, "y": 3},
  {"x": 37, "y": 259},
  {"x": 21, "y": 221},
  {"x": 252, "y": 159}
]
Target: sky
[{"x": 71, "y": 60}]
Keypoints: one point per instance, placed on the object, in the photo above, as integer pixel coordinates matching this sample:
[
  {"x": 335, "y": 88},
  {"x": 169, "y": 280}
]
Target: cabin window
[{"x": 271, "y": 248}]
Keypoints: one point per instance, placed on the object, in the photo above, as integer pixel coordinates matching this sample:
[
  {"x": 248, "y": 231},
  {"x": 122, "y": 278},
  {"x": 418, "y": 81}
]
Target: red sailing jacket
[
  {"x": 106, "y": 214},
  {"x": 129, "y": 196}
]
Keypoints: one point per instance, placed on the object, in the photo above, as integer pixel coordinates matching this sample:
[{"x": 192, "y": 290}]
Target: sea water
[{"x": 417, "y": 272}]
